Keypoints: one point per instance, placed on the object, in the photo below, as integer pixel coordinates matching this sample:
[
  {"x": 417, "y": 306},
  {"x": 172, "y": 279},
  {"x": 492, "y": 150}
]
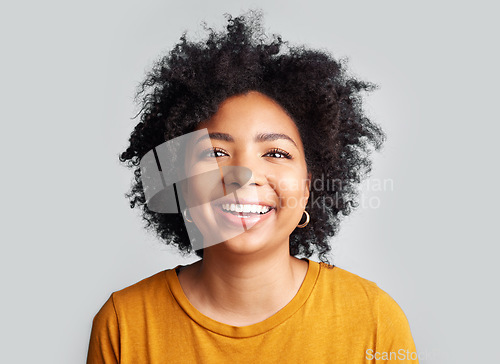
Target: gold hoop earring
[
  {"x": 185, "y": 215},
  {"x": 308, "y": 218}
]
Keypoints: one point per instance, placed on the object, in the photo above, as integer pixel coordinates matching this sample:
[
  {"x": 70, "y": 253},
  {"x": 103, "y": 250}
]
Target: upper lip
[{"x": 244, "y": 201}]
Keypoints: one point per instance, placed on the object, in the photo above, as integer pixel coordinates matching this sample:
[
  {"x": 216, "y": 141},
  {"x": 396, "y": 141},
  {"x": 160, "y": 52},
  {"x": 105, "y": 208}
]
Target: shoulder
[
  {"x": 137, "y": 302},
  {"x": 366, "y": 298},
  {"x": 124, "y": 313},
  {"x": 350, "y": 291},
  {"x": 146, "y": 292},
  {"x": 346, "y": 284},
  {"x": 144, "y": 286}
]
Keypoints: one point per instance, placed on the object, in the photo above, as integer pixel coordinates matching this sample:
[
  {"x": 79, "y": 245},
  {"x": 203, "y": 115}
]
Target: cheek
[
  {"x": 291, "y": 190},
  {"x": 204, "y": 184}
]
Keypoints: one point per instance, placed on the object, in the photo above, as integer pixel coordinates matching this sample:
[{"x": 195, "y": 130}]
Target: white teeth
[{"x": 245, "y": 208}]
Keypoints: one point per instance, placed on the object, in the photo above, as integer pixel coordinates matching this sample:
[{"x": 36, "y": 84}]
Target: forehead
[{"x": 249, "y": 114}]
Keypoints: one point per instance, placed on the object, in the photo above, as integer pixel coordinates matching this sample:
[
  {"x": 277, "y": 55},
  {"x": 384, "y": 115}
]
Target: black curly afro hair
[{"x": 186, "y": 87}]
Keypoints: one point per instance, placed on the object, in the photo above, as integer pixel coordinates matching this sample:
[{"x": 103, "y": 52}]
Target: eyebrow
[{"x": 259, "y": 138}]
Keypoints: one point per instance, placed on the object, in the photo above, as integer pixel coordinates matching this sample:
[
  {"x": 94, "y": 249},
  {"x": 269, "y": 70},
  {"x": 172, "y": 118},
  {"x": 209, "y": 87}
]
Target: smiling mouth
[{"x": 244, "y": 210}]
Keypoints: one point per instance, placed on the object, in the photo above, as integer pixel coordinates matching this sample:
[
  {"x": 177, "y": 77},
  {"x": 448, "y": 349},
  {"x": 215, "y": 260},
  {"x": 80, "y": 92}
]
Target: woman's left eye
[{"x": 281, "y": 153}]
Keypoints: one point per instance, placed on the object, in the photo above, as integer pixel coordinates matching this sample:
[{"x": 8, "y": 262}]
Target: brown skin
[{"x": 250, "y": 277}]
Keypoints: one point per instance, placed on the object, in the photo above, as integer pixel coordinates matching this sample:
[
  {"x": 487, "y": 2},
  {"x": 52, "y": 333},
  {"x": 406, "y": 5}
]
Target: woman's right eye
[{"x": 213, "y": 153}]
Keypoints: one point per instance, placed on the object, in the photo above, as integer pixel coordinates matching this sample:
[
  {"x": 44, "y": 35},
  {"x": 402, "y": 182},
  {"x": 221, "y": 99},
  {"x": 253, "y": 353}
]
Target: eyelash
[
  {"x": 285, "y": 154},
  {"x": 280, "y": 151}
]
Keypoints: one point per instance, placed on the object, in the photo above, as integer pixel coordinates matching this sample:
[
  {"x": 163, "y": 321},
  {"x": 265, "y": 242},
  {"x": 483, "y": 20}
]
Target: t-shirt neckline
[{"x": 250, "y": 330}]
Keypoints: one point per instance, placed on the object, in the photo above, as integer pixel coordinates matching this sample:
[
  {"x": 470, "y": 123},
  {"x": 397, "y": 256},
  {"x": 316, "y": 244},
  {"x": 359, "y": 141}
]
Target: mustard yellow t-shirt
[{"x": 335, "y": 317}]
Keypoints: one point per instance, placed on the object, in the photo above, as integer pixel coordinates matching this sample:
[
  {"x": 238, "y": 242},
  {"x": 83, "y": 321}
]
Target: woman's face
[{"x": 254, "y": 132}]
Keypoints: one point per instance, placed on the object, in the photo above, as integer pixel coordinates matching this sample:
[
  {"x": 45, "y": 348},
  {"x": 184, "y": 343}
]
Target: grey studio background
[{"x": 69, "y": 239}]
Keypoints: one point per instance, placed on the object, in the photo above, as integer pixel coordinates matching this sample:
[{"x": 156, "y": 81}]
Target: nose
[
  {"x": 242, "y": 174},
  {"x": 236, "y": 175}
]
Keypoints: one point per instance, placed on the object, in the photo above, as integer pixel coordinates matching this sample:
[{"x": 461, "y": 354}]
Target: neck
[{"x": 238, "y": 289}]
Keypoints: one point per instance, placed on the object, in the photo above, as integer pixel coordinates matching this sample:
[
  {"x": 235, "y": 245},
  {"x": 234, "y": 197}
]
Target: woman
[{"x": 273, "y": 119}]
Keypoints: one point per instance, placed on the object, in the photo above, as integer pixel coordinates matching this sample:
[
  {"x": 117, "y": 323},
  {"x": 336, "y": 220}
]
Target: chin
[{"x": 243, "y": 244}]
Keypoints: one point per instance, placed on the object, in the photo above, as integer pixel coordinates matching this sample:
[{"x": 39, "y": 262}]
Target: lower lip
[{"x": 240, "y": 221}]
